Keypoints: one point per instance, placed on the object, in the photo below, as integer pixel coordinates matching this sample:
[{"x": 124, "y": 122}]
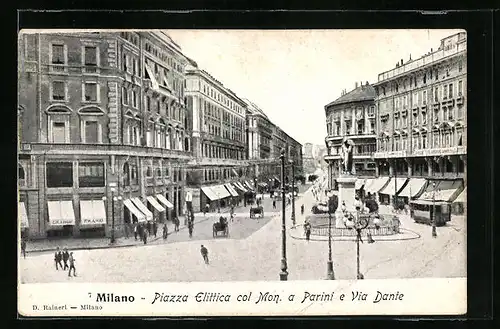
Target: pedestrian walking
[
  {"x": 204, "y": 253},
  {"x": 274, "y": 204},
  {"x": 165, "y": 231},
  {"x": 176, "y": 223},
  {"x": 23, "y": 247},
  {"x": 207, "y": 209},
  {"x": 71, "y": 264},
  {"x": 65, "y": 256},
  {"x": 307, "y": 230},
  {"x": 145, "y": 235},
  {"x": 302, "y": 209},
  {"x": 135, "y": 232},
  {"x": 58, "y": 259},
  {"x": 155, "y": 228}
]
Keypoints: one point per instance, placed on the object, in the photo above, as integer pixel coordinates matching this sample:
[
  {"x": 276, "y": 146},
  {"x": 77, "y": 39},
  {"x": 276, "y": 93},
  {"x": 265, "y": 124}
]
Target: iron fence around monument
[{"x": 322, "y": 230}]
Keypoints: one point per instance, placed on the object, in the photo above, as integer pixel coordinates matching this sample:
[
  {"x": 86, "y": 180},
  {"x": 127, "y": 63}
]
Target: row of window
[
  {"x": 161, "y": 170},
  {"x": 365, "y": 149},
  {"x": 422, "y": 117},
  {"x": 213, "y": 111},
  {"x": 60, "y": 174},
  {"x": 222, "y": 99},
  {"x": 429, "y": 75},
  {"x": 337, "y": 129},
  {"x": 219, "y": 152},
  {"x": 348, "y": 114},
  {"x": 58, "y": 57},
  {"x": 437, "y": 139},
  {"x": 59, "y": 130},
  {"x": 91, "y": 92}
]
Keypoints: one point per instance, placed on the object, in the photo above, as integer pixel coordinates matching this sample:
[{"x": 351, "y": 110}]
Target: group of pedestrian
[{"x": 65, "y": 257}]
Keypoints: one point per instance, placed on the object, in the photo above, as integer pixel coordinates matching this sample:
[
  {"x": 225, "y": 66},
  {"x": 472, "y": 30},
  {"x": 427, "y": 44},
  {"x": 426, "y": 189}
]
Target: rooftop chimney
[
  {"x": 410, "y": 57},
  {"x": 356, "y": 85},
  {"x": 367, "y": 83},
  {"x": 401, "y": 61}
]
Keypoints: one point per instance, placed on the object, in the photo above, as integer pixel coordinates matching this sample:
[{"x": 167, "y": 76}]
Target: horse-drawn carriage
[
  {"x": 221, "y": 226},
  {"x": 256, "y": 211}
]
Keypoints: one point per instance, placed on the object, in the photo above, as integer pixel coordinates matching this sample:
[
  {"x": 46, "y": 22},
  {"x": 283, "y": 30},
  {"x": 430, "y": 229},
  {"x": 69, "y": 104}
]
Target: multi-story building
[
  {"x": 219, "y": 140},
  {"x": 102, "y": 122},
  {"x": 351, "y": 116},
  {"x": 422, "y": 123}
]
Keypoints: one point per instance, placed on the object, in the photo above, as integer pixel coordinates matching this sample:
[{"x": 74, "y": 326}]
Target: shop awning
[
  {"x": 61, "y": 213},
  {"x": 235, "y": 172},
  {"x": 445, "y": 190},
  {"x": 368, "y": 183},
  {"x": 247, "y": 184},
  {"x": 133, "y": 209},
  {"x": 276, "y": 178},
  {"x": 393, "y": 186},
  {"x": 377, "y": 184},
  {"x": 152, "y": 201},
  {"x": 462, "y": 197},
  {"x": 240, "y": 187},
  {"x": 152, "y": 77},
  {"x": 92, "y": 212},
  {"x": 220, "y": 191},
  {"x": 231, "y": 190},
  {"x": 209, "y": 193},
  {"x": 22, "y": 214},
  {"x": 413, "y": 188},
  {"x": 359, "y": 183},
  {"x": 164, "y": 201},
  {"x": 142, "y": 207}
]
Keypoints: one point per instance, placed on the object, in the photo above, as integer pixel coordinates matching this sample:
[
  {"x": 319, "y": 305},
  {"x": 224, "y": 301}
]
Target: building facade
[
  {"x": 422, "y": 116},
  {"x": 102, "y": 123},
  {"x": 351, "y": 116},
  {"x": 218, "y": 119}
]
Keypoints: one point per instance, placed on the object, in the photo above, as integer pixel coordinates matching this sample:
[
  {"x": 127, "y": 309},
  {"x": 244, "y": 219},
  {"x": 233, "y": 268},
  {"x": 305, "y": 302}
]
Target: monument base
[{"x": 347, "y": 195}]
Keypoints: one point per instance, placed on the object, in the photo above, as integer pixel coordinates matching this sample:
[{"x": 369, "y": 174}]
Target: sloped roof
[
  {"x": 252, "y": 107},
  {"x": 361, "y": 93}
]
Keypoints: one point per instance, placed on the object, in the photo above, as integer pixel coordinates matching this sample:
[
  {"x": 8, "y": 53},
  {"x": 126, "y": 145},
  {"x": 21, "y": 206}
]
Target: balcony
[
  {"x": 103, "y": 150},
  {"x": 460, "y": 100}
]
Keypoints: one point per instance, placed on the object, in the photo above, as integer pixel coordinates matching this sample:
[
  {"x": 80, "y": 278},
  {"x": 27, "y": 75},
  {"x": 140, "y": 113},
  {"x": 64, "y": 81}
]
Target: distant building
[{"x": 351, "y": 116}]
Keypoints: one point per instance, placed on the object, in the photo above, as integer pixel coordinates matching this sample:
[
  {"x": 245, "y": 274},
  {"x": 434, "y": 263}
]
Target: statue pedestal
[{"x": 347, "y": 194}]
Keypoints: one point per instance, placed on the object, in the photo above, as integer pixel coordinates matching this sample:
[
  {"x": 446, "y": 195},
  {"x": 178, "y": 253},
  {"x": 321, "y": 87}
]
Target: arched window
[
  {"x": 186, "y": 143},
  {"x": 126, "y": 174},
  {"x": 149, "y": 171},
  {"x": 20, "y": 172}
]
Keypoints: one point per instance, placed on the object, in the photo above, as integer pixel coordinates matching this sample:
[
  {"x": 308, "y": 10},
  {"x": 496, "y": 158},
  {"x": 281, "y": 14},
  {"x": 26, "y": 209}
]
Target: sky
[{"x": 292, "y": 74}]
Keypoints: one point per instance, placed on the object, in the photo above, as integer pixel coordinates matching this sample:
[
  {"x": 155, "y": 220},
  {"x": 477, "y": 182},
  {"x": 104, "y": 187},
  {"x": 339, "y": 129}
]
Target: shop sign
[
  {"x": 90, "y": 221},
  {"x": 61, "y": 222}
]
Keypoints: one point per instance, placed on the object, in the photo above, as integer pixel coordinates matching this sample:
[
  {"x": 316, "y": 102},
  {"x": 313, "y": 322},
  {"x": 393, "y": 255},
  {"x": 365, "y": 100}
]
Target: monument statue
[{"x": 346, "y": 156}]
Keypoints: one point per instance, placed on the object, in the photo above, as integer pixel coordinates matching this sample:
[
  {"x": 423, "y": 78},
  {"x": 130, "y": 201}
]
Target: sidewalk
[{"x": 102, "y": 243}]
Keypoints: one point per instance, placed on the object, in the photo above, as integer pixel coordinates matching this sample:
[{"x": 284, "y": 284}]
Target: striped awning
[
  {"x": 462, "y": 197},
  {"x": 22, "y": 214},
  {"x": 220, "y": 191},
  {"x": 413, "y": 188},
  {"x": 444, "y": 190},
  {"x": 377, "y": 185},
  {"x": 164, "y": 201},
  {"x": 152, "y": 201},
  {"x": 133, "y": 209},
  {"x": 142, "y": 207},
  {"x": 231, "y": 190},
  {"x": 209, "y": 193},
  {"x": 359, "y": 183},
  {"x": 394, "y": 185}
]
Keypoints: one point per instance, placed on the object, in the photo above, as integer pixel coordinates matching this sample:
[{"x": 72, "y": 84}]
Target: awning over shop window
[
  {"x": 152, "y": 77},
  {"x": 231, "y": 190},
  {"x": 235, "y": 173},
  {"x": 209, "y": 193},
  {"x": 164, "y": 201},
  {"x": 248, "y": 185},
  {"x": 142, "y": 207},
  {"x": 359, "y": 183},
  {"x": 61, "y": 213},
  {"x": 22, "y": 214},
  {"x": 92, "y": 212},
  {"x": 368, "y": 183},
  {"x": 377, "y": 184},
  {"x": 462, "y": 197},
  {"x": 393, "y": 186},
  {"x": 413, "y": 188},
  {"x": 152, "y": 201},
  {"x": 133, "y": 209},
  {"x": 239, "y": 187},
  {"x": 445, "y": 190},
  {"x": 220, "y": 191}
]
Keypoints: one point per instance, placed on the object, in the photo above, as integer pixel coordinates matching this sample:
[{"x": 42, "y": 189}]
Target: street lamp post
[
  {"x": 359, "y": 226},
  {"x": 113, "y": 199},
  {"x": 283, "y": 273},
  {"x": 433, "y": 219},
  {"x": 293, "y": 193},
  {"x": 330, "y": 275}
]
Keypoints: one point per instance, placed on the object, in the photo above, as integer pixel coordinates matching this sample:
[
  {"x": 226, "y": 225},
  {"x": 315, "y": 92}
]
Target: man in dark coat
[
  {"x": 65, "y": 256},
  {"x": 204, "y": 253},
  {"x": 58, "y": 259}
]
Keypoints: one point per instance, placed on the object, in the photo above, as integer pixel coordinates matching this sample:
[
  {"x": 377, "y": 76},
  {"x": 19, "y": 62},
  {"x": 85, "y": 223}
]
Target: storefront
[
  {"x": 92, "y": 218},
  {"x": 23, "y": 219},
  {"x": 167, "y": 204},
  {"x": 393, "y": 186},
  {"x": 234, "y": 195},
  {"x": 442, "y": 190},
  {"x": 143, "y": 208},
  {"x": 61, "y": 218},
  {"x": 376, "y": 185},
  {"x": 132, "y": 214},
  {"x": 157, "y": 209},
  {"x": 412, "y": 189},
  {"x": 459, "y": 205}
]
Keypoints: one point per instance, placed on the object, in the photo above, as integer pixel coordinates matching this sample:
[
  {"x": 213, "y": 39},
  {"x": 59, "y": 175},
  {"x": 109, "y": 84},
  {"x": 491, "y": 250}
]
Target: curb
[
  {"x": 112, "y": 246},
  {"x": 353, "y": 239}
]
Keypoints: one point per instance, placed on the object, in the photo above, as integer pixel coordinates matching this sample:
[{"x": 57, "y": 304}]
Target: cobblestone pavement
[{"x": 257, "y": 257}]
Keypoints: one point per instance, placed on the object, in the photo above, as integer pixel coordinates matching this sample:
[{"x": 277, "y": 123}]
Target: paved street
[{"x": 247, "y": 256}]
